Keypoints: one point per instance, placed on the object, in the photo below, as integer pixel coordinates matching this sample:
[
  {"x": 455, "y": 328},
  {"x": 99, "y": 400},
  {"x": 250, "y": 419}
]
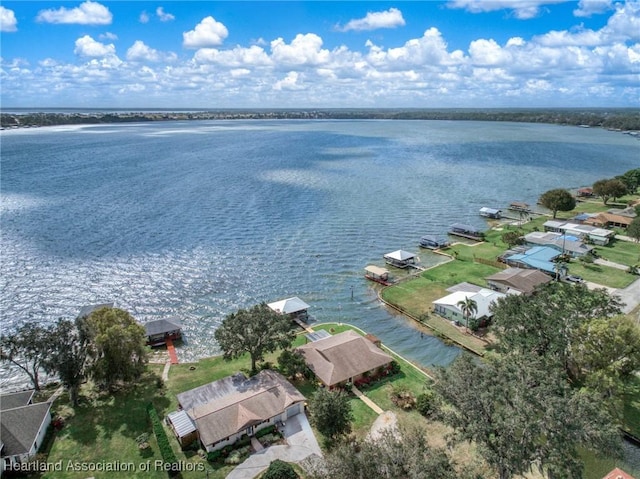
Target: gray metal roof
[
  {"x": 182, "y": 423},
  {"x": 317, "y": 335},
  {"x": 161, "y": 326}
]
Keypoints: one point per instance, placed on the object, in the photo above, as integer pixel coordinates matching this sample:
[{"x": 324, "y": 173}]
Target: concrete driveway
[{"x": 301, "y": 443}]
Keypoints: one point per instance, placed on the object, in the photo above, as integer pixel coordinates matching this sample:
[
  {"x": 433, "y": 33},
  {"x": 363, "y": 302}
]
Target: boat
[
  {"x": 493, "y": 213},
  {"x": 466, "y": 231},
  {"x": 433, "y": 242},
  {"x": 377, "y": 274}
]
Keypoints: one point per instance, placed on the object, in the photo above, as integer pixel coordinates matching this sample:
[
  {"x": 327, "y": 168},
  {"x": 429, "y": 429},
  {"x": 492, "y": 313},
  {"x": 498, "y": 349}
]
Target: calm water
[{"x": 194, "y": 220}]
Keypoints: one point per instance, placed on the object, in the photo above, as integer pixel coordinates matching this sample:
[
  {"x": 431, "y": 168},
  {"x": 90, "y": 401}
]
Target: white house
[{"x": 484, "y": 298}]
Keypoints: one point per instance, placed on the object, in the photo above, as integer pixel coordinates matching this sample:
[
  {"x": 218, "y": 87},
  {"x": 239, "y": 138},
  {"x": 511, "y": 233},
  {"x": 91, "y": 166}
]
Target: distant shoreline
[{"x": 618, "y": 119}]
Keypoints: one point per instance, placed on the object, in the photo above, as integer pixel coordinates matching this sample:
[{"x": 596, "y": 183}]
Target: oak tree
[
  {"x": 557, "y": 200},
  {"x": 256, "y": 331},
  {"x": 118, "y": 351}
]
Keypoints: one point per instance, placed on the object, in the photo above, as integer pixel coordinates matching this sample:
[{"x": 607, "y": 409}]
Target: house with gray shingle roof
[
  {"x": 343, "y": 357},
  {"x": 225, "y": 410},
  {"x": 23, "y": 426}
]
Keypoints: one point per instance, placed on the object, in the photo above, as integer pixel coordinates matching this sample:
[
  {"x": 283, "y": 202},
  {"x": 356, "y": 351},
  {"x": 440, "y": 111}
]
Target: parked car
[{"x": 574, "y": 279}]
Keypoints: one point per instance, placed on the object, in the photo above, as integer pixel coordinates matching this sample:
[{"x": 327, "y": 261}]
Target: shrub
[
  {"x": 425, "y": 404},
  {"x": 393, "y": 368},
  {"x": 265, "y": 431},
  {"x": 402, "y": 397},
  {"x": 280, "y": 470},
  {"x": 166, "y": 451}
]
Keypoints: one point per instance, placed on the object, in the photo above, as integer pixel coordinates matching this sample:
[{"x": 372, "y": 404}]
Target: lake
[{"x": 194, "y": 220}]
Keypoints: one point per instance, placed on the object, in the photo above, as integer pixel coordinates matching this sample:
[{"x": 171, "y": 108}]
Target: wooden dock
[{"x": 171, "y": 349}]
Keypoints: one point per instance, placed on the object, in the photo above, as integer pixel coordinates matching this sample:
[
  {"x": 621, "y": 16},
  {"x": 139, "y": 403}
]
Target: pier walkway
[{"x": 171, "y": 349}]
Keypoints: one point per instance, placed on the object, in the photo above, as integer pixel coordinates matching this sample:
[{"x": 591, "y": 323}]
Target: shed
[{"x": 183, "y": 427}]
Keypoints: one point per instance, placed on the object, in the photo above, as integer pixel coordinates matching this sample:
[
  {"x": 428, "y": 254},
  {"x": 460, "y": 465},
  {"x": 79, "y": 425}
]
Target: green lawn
[
  {"x": 623, "y": 252},
  {"x": 103, "y": 430},
  {"x": 604, "y": 275}
]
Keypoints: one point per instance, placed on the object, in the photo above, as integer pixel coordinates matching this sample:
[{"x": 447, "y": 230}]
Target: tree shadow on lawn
[{"x": 123, "y": 412}]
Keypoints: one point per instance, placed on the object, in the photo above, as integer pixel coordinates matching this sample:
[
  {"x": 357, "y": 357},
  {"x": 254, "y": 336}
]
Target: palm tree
[{"x": 468, "y": 307}]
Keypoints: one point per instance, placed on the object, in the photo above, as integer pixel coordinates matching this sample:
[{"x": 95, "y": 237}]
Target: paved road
[
  {"x": 301, "y": 443},
  {"x": 630, "y": 296}
]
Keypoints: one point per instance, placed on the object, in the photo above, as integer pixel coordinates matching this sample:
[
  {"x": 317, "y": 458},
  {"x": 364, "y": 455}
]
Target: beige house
[
  {"x": 517, "y": 280},
  {"x": 225, "y": 410},
  {"x": 344, "y": 357}
]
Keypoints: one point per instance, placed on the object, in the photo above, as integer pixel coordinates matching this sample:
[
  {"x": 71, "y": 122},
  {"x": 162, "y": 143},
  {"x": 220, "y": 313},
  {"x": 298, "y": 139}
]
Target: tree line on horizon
[{"x": 614, "y": 118}]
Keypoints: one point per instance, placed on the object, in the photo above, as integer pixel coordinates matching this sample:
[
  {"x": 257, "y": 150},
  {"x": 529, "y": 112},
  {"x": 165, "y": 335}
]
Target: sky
[{"x": 317, "y": 54}]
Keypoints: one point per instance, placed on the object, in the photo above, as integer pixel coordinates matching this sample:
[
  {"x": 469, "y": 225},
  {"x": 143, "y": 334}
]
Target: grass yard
[
  {"x": 103, "y": 430},
  {"x": 604, "y": 275},
  {"x": 623, "y": 252}
]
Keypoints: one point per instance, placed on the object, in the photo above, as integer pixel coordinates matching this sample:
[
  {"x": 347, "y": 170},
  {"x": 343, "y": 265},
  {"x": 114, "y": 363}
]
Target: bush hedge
[{"x": 169, "y": 457}]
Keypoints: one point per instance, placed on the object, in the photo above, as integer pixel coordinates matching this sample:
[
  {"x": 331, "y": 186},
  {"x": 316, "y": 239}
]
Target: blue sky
[{"x": 236, "y": 54}]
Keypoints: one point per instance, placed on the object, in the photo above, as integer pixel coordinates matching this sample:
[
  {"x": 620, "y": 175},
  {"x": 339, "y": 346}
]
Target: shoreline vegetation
[{"x": 618, "y": 119}]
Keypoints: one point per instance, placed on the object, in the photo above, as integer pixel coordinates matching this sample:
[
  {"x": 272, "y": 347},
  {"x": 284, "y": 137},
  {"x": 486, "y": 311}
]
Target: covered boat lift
[
  {"x": 400, "y": 258},
  {"x": 293, "y": 307}
]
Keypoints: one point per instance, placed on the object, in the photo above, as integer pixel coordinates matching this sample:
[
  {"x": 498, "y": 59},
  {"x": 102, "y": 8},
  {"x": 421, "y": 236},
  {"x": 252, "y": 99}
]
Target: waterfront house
[
  {"x": 23, "y": 425},
  {"x": 466, "y": 231},
  {"x": 565, "y": 244},
  {"x": 400, "y": 258},
  {"x": 517, "y": 280},
  {"x": 539, "y": 257},
  {"x": 609, "y": 220},
  {"x": 433, "y": 242},
  {"x": 598, "y": 236},
  {"x": 293, "y": 307},
  {"x": 490, "y": 212},
  {"x": 448, "y": 308},
  {"x": 225, "y": 410},
  {"x": 342, "y": 358},
  {"x": 584, "y": 192},
  {"x": 159, "y": 330}
]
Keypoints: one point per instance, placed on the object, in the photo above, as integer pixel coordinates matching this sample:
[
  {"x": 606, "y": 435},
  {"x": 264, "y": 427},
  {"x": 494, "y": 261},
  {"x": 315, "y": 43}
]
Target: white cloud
[
  {"x": 164, "y": 16},
  {"x": 522, "y": 9},
  {"x": 587, "y": 8},
  {"x": 624, "y": 24},
  {"x": 8, "y": 21},
  {"x": 391, "y": 18},
  {"x": 303, "y": 50},
  {"x": 237, "y": 57},
  {"x": 429, "y": 50},
  {"x": 88, "y": 47},
  {"x": 290, "y": 82},
  {"x": 108, "y": 36},
  {"x": 207, "y": 33},
  {"x": 141, "y": 52},
  {"x": 144, "y": 17},
  {"x": 88, "y": 13}
]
